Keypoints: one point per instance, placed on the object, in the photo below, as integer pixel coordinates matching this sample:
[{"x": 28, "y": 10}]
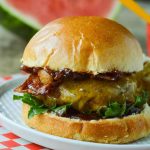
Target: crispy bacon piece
[
  {"x": 33, "y": 85},
  {"x": 43, "y": 81}
]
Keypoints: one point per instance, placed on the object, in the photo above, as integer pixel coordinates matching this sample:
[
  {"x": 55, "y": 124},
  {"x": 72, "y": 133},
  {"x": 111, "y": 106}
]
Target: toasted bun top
[{"x": 84, "y": 44}]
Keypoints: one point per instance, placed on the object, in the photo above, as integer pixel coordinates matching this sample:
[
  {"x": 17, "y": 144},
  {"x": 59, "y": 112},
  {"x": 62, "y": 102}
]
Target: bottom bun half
[{"x": 117, "y": 130}]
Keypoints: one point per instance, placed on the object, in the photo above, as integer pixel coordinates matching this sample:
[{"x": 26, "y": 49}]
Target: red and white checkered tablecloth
[{"x": 8, "y": 140}]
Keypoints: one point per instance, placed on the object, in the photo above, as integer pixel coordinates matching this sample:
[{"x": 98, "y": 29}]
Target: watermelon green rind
[
  {"x": 15, "y": 25},
  {"x": 26, "y": 19}
]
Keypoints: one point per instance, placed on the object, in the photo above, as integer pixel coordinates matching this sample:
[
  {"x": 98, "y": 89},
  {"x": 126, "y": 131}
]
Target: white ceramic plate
[{"x": 10, "y": 117}]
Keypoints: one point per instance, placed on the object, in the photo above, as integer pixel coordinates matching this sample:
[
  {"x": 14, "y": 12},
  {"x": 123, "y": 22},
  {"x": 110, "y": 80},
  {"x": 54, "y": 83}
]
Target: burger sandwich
[{"x": 88, "y": 80}]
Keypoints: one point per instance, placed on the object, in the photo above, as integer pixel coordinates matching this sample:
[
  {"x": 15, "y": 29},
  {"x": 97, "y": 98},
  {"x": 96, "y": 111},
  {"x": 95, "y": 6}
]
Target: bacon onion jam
[{"x": 87, "y": 96}]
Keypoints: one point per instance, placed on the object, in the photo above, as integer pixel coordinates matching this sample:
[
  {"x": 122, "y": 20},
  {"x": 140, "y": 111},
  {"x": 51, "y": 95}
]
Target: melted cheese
[{"x": 91, "y": 94}]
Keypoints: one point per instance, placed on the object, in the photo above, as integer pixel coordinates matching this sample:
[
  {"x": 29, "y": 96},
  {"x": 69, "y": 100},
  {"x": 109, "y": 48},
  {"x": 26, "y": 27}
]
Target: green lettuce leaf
[
  {"x": 61, "y": 110},
  {"x": 114, "y": 109},
  {"x": 36, "y": 111},
  {"x": 37, "y": 107},
  {"x": 142, "y": 99}
]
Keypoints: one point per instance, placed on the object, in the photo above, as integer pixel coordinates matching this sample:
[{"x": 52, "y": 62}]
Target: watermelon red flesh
[{"x": 46, "y": 10}]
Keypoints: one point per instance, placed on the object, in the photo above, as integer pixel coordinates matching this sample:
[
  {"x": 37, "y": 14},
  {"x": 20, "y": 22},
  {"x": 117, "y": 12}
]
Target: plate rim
[{"x": 4, "y": 120}]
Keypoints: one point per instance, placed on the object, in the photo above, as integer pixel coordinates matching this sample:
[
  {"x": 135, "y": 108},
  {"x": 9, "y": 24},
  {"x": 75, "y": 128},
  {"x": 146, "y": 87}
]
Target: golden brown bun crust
[
  {"x": 84, "y": 44},
  {"x": 123, "y": 130}
]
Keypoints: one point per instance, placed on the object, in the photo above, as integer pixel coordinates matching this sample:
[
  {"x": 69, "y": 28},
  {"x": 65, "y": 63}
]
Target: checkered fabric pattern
[{"x": 8, "y": 140}]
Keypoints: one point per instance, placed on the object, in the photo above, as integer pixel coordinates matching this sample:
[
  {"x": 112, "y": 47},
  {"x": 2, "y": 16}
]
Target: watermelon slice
[{"x": 36, "y": 13}]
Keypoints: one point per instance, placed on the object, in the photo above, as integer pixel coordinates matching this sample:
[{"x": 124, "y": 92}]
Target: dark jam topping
[
  {"x": 74, "y": 114},
  {"x": 33, "y": 84},
  {"x": 30, "y": 70},
  {"x": 67, "y": 73}
]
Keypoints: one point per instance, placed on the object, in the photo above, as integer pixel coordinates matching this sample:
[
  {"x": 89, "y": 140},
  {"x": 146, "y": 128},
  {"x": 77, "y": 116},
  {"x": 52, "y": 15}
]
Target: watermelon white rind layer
[{"x": 115, "y": 11}]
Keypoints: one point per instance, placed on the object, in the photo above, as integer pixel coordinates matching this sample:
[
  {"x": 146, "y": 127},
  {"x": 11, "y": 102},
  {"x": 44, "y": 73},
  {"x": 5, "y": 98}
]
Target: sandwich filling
[{"x": 84, "y": 95}]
